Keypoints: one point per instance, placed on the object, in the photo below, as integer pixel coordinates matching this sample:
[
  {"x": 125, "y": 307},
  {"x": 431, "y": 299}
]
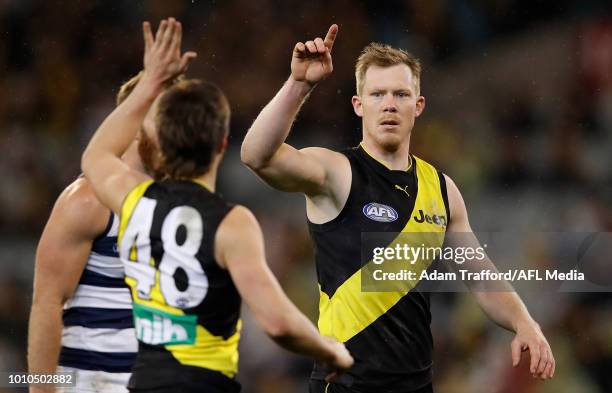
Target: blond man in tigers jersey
[{"x": 375, "y": 187}]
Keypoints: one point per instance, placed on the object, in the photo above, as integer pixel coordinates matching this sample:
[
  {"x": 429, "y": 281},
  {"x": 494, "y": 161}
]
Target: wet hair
[
  {"x": 381, "y": 55},
  {"x": 192, "y": 120}
]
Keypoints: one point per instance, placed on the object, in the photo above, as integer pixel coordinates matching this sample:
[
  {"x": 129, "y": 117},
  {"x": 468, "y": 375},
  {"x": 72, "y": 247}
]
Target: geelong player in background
[
  {"x": 189, "y": 255},
  {"x": 81, "y": 316},
  {"x": 375, "y": 187}
]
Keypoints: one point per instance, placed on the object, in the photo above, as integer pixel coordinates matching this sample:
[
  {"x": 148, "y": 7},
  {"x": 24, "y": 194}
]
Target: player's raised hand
[
  {"x": 162, "y": 58},
  {"x": 531, "y": 338},
  {"x": 312, "y": 61}
]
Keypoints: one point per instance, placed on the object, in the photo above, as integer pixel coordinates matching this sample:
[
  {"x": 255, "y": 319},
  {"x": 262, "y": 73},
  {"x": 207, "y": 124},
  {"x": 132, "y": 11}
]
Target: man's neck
[
  {"x": 208, "y": 180},
  {"x": 394, "y": 160}
]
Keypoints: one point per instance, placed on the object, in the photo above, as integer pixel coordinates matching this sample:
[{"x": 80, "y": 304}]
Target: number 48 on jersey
[{"x": 178, "y": 275}]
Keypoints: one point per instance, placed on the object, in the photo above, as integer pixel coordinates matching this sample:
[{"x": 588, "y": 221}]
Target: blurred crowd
[{"x": 519, "y": 114}]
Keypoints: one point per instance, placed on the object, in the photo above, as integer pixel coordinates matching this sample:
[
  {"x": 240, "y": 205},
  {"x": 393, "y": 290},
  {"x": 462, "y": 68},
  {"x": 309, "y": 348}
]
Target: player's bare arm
[
  {"x": 111, "y": 178},
  {"x": 317, "y": 172},
  {"x": 76, "y": 220},
  {"x": 239, "y": 248},
  {"x": 505, "y": 308}
]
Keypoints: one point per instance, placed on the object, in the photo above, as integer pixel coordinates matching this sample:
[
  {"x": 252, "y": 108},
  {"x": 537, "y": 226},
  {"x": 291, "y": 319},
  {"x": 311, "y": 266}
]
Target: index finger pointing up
[{"x": 331, "y": 36}]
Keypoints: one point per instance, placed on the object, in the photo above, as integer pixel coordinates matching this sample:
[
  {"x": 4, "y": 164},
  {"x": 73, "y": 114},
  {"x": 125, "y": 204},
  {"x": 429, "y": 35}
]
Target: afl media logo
[{"x": 379, "y": 212}]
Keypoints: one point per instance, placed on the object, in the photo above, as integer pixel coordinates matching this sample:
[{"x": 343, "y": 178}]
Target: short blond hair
[
  {"x": 126, "y": 89},
  {"x": 385, "y": 56}
]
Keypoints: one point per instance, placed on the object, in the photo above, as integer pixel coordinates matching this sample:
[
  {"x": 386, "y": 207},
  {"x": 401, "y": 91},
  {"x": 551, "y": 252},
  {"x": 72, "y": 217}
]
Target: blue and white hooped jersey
[{"x": 98, "y": 332}]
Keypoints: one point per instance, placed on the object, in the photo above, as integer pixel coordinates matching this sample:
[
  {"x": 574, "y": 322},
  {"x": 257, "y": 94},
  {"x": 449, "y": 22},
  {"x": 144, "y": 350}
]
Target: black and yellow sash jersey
[
  {"x": 388, "y": 333},
  {"x": 186, "y": 307}
]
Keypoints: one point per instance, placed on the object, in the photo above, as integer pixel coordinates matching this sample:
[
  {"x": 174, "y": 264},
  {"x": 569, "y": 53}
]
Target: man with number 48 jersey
[{"x": 188, "y": 254}]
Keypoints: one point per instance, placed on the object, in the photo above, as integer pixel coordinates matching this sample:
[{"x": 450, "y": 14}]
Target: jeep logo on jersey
[
  {"x": 379, "y": 212},
  {"x": 433, "y": 219}
]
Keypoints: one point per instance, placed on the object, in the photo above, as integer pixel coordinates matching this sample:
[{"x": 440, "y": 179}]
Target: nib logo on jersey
[
  {"x": 379, "y": 212},
  {"x": 156, "y": 327}
]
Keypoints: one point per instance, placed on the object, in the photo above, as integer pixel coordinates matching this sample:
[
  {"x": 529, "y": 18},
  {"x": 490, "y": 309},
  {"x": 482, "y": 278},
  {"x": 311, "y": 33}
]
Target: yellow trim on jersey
[
  {"x": 128, "y": 206},
  {"x": 384, "y": 163},
  {"x": 201, "y": 183},
  {"x": 350, "y": 310},
  {"x": 209, "y": 351}
]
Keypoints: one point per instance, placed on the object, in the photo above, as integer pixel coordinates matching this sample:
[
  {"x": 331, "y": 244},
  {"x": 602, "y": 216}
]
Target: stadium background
[{"x": 519, "y": 113}]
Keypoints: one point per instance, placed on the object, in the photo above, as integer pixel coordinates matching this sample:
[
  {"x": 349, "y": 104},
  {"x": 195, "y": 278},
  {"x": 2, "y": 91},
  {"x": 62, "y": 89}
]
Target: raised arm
[
  {"x": 264, "y": 149},
  {"x": 239, "y": 248},
  {"x": 77, "y": 218},
  {"x": 111, "y": 178},
  {"x": 504, "y": 308}
]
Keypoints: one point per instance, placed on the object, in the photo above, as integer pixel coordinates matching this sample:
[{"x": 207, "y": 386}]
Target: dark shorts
[
  {"x": 324, "y": 387},
  {"x": 184, "y": 380},
  {"x": 189, "y": 388}
]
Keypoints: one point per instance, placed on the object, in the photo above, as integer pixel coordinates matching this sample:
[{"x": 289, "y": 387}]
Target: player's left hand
[
  {"x": 529, "y": 337},
  {"x": 311, "y": 61}
]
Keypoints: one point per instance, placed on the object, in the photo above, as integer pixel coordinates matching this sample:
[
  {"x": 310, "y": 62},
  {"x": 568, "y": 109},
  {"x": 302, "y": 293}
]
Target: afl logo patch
[{"x": 379, "y": 212}]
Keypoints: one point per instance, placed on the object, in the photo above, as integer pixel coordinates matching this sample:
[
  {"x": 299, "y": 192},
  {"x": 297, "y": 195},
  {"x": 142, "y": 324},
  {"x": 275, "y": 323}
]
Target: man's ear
[
  {"x": 356, "y": 101},
  {"x": 222, "y": 145},
  {"x": 420, "y": 106}
]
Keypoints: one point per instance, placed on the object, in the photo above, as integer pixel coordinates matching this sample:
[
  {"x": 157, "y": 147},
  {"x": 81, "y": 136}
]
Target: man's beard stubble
[{"x": 148, "y": 152}]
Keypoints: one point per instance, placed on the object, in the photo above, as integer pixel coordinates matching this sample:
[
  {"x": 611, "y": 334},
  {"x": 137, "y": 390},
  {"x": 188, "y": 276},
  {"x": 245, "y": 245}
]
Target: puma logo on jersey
[
  {"x": 433, "y": 219},
  {"x": 379, "y": 212},
  {"x": 404, "y": 189}
]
